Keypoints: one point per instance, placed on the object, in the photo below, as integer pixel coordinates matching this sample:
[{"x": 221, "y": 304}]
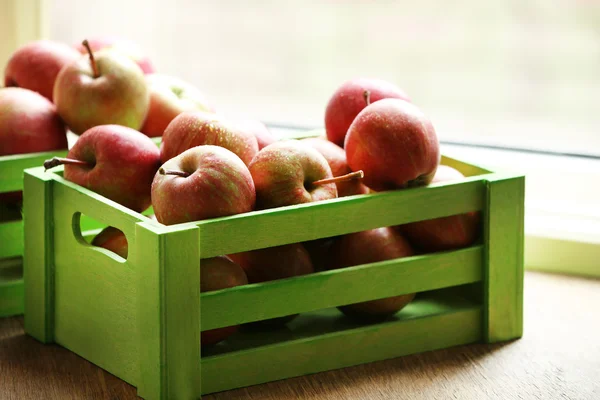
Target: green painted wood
[
  {"x": 338, "y": 287},
  {"x": 169, "y": 313},
  {"x": 504, "y": 239},
  {"x": 38, "y": 258},
  {"x": 93, "y": 286},
  {"x": 310, "y": 221},
  {"x": 326, "y": 340},
  {"x": 12, "y": 167},
  {"x": 12, "y": 290},
  {"x": 11, "y": 239},
  {"x": 151, "y": 314},
  {"x": 180, "y": 299}
]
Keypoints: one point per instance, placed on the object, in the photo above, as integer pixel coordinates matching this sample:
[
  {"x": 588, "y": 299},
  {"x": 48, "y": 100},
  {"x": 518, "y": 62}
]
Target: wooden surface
[{"x": 557, "y": 358}]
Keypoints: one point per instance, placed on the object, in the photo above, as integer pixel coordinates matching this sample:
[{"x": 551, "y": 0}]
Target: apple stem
[
  {"x": 92, "y": 59},
  {"x": 367, "y": 97},
  {"x": 342, "y": 178},
  {"x": 183, "y": 174},
  {"x": 56, "y": 161}
]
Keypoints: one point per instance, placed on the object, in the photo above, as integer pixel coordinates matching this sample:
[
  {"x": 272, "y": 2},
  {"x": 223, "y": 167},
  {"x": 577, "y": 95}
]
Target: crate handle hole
[{"x": 107, "y": 239}]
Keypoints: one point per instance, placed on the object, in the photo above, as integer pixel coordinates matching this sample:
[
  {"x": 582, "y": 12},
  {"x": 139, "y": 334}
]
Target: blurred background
[{"x": 511, "y": 73}]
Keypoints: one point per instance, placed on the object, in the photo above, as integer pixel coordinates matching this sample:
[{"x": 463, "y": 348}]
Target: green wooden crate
[
  {"x": 141, "y": 318},
  {"x": 11, "y": 230}
]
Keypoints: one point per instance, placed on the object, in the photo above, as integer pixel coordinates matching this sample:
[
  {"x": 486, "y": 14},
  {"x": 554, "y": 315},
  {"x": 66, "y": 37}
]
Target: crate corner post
[
  {"x": 504, "y": 258},
  {"x": 169, "y": 312},
  {"x": 38, "y": 254}
]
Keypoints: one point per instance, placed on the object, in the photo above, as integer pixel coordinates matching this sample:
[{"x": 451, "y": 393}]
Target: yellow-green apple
[
  {"x": 349, "y": 99},
  {"x": 169, "y": 97},
  {"x": 124, "y": 46},
  {"x": 263, "y": 135},
  {"x": 445, "y": 233},
  {"x": 113, "y": 239},
  {"x": 115, "y": 161},
  {"x": 29, "y": 123},
  {"x": 336, "y": 157},
  {"x": 366, "y": 247},
  {"x": 202, "y": 182},
  {"x": 219, "y": 273},
  {"x": 290, "y": 172},
  {"x": 100, "y": 89},
  {"x": 394, "y": 143},
  {"x": 195, "y": 128},
  {"x": 35, "y": 65},
  {"x": 274, "y": 263}
]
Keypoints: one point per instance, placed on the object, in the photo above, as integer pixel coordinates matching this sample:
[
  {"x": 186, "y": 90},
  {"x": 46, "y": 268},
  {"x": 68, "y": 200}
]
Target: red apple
[
  {"x": 263, "y": 135},
  {"x": 114, "y": 161},
  {"x": 113, "y": 239},
  {"x": 290, "y": 172},
  {"x": 274, "y": 263},
  {"x": 219, "y": 273},
  {"x": 446, "y": 233},
  {"x": 349, "y": 99},
  {"x": 169, "y": 97},
  {"x": 29, "y": 123},
  {"x": 366, "y": 247},
  {"x": 336, "y": 158},
  {"x": 194, "y": 128},
  {"x": 124, "y": 46},
  {"x": 394, "y": 143},
  {"x": 36, "y": 65},
  {"x": 202, "y": 182},
  {"x": 104, "y": 88}
]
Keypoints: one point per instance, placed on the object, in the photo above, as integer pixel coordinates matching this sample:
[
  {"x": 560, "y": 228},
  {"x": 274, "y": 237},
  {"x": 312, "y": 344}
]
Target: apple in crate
[
  {"x": 36, "y": 65},
  {"x": 215, "y": 274},
  {"x": 274, "y": 263},
  {"x": 121, "y": 45},
  {"x": 115, "y": 161},
  {"x": 29, "y": 123},
  {"x": 394, "y": 143},
  {"x": 100, "y": 89},
  {"x": 365, "y": 247},
  {"x": 336, "y": 158},
  {"x": 349, "y": 99},
  {"x": 113, "y": 239},
  {"x": 445, "y": 233},
  {"x": 169, "y": 97},
  {"x": 194, "y": 128},
  {"x": 290, "y": 172},
  {"x": 202, "y": 182}
]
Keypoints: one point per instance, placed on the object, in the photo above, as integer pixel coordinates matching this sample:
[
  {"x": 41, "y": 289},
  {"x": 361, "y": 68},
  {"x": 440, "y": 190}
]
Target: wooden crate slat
[
  {"x": 338, "y": 287},
  {"x": 343, "y": 215},
  {"x": 12, "y": 290},
  {"x": 181, "y": 304},
  {"x": 504, "y": 272},
  {"x": 12, "y": 167},
  {"x": 11, "y": 239},
  {"x": 421, "y": 326},
  {"x": 38, "y": 265}
]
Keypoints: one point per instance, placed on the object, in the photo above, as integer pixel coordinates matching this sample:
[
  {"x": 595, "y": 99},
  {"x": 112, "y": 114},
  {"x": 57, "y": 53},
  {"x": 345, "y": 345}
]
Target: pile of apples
[{"x": 376, "y": 139}]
